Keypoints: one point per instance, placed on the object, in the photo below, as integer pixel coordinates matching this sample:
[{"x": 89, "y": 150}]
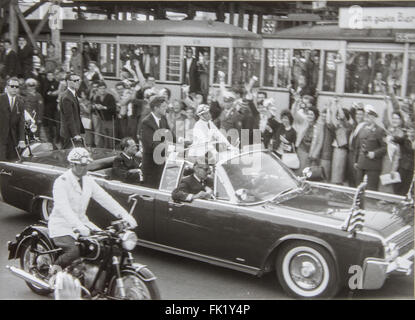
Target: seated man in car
[
  {"x": 196, "y": 186},
  {"x": 126, "y": 166}
]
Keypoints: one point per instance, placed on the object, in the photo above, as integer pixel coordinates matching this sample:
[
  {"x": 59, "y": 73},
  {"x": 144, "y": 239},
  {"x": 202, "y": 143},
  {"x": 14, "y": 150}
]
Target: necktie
[{"x": 12, "y": 104}]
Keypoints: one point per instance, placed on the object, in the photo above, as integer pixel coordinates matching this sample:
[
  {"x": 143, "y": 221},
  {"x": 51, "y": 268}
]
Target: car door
[
  {"x": 135, "y": 198},
  {"x": 201, "y": 226}
]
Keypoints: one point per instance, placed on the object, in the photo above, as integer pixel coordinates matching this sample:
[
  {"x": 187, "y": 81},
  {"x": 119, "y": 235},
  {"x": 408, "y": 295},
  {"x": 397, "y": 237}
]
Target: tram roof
[
  {"x": 334, "y": 32},
  {"x": 157, "y": 28}
]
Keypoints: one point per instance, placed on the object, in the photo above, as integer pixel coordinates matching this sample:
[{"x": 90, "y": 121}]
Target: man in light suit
[
  {"x": 11, "y": 121},
  {"x": 72, "y": 192},
  {"x": 71, "y": 125},
  {"x": 153, "y": 163}
]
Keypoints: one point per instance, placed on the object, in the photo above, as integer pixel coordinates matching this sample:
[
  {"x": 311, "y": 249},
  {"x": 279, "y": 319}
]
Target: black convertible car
[{"x": 262, "y": 218}]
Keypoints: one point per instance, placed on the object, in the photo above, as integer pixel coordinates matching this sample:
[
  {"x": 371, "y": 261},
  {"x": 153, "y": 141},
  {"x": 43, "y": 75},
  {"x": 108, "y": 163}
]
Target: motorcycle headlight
[
  {"x": 391, "y": 251},
  {"x": 129, "y": 240}
]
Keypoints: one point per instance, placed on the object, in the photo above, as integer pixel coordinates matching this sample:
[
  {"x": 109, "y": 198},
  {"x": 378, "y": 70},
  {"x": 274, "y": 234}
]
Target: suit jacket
[
  {"x": 71, "y": 124},
  {"x": 370, "y": 140},
  {"x": 11, "y": 64},
  {"x": 148, "y": 128},
  {"x": 192, "y": 81},
  {"x": 120, "y": 168},
  {"x": 188, "y": 186},
  {"x": 26, "y": 60},
  {"x": 11, "y": 122}
]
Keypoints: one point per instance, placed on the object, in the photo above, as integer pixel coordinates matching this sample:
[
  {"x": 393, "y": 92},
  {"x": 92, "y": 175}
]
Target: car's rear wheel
[
  {"x": 46, "y": 209},
  {"x": 307, "y": 270}
]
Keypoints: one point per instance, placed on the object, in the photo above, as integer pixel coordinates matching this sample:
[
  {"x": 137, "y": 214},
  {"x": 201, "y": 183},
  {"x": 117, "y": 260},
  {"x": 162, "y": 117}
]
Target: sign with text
[{"x": 356, "y": 17}]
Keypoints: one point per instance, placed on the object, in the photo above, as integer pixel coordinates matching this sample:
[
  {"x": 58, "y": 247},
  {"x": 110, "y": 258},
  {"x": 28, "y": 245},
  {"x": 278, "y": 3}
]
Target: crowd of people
[{"x": 342, "y": 143}]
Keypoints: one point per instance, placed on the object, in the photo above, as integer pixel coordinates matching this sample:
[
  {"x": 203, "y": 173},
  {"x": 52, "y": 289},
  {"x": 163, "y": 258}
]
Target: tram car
[{"x": 353, "y": 65}]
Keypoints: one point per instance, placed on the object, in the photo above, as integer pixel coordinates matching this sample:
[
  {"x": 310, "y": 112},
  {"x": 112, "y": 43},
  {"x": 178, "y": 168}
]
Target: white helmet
[{"x": 79, "y": 156}]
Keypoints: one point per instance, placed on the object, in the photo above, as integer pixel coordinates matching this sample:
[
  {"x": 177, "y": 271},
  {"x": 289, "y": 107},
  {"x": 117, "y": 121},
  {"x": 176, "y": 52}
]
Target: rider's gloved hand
[
  {"x": 130, "y": 220},
  {"x": 83, "y": 231}
]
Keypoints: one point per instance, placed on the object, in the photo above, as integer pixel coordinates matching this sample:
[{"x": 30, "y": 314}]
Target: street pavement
[{"x": 180, "y": 278}]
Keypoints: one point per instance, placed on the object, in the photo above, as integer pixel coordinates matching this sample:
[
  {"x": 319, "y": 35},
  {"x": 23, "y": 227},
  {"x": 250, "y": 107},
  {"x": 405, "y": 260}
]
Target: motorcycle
[{"x": 106, "y": 269}]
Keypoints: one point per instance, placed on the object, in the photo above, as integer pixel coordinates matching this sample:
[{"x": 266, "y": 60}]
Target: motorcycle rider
[{"x": 71, "y": 194}]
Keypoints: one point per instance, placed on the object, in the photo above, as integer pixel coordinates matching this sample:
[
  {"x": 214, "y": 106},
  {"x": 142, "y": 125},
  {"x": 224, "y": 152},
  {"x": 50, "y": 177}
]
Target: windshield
[{"x": 258, "y": 176}]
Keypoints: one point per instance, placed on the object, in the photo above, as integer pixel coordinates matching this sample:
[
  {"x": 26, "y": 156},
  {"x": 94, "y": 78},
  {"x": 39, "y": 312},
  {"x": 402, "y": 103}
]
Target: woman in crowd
[
  {"x": 309, "y": 133},
  {"x": 406, "y": 161},
  {"x": 339, "y": 117},
  {"x": 283, "y": 135},
  {"x": 176, "y": 118},
  {"x": 34, "y": 105}
]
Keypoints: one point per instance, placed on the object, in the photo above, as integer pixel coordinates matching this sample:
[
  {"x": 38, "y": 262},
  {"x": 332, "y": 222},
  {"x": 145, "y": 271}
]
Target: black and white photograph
[{"x": 196, "y": 151}]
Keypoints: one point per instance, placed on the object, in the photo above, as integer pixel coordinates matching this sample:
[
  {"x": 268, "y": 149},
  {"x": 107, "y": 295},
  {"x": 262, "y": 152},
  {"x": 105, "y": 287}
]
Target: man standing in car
[{"x": 154, "y": 131}]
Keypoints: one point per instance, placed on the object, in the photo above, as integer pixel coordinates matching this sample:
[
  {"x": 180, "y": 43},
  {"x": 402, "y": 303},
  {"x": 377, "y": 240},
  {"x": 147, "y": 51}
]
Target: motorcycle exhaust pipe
[{"x": 29, "y": 277}]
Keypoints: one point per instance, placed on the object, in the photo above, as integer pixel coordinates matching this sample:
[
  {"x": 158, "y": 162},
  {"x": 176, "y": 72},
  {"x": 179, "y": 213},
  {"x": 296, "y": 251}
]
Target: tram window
[
  {"x": 277, "y": 61},
  {"x": 196, "y": 68},
  {"x": 147, "y": 56},
  {"x": 330, "y": 71},
  {"x": 305, "y": 63},
  {"x": 246, "y": 63},
  {"x": 368, "y": 72},
  {"x": 173, "y": 63},
  {"x": 221, "y": 63},
  {"x": 67, "y": 53},
  {"x": 410, "y": 89},
  {"x": 106, "y": 58}
]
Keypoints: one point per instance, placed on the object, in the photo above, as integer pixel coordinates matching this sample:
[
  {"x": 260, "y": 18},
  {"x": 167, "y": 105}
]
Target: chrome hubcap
[{"x": 306, "y": 271}]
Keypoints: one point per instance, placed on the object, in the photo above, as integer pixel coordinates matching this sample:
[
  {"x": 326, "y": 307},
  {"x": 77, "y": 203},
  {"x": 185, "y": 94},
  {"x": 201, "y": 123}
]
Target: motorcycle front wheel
[{"x": 134, "y": 286}]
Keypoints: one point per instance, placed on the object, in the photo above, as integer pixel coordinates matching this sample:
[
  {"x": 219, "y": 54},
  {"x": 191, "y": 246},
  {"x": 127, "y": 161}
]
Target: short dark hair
[
  {"x": 70, "y": 75},
  {"x": 13, "y": 79},
  {"x": 7, "y": 41},
  {"x": 168, "y": 92},
  {"x": 102, "y": 84},
  {"x": 124, "y": 142},
  {"x": 157, "y": 102},
  {"x": 315, "y": 111},
  {"x": 287, "y": 113}
]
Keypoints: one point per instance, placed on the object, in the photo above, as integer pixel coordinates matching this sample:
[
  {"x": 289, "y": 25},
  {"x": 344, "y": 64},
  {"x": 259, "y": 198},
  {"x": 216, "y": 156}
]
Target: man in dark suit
[
  {"x": 370, "y": 149},
  {"x": 190, "y": 71},
  {"x": 11, "y": 121},
  {"x": 11, "y": 61},
  {"x": 25, "y": 54},
  {"x": 195, "y": 186},
  {"x": 154, "y": 145},
  {"x": 126, "y": 166},
  {"x": 71, "y": 125}
]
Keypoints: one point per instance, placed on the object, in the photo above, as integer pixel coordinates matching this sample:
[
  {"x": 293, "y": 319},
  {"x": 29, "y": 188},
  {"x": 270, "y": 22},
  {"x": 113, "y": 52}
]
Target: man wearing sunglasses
[
  {"x": 127, "y": 166},
  {"x": 71, "y": 125},
  {"x": 11, "y": 121}
]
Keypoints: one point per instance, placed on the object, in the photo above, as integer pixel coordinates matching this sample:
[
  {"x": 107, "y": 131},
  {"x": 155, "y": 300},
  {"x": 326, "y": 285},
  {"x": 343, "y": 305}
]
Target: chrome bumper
[{"x": 375, "y": 271}]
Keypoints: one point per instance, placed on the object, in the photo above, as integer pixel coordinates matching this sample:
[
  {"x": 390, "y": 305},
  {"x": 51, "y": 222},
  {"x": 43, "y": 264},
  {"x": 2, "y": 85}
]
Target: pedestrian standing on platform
[
  {"x": 11, "y": 61},
  {"x": 25, "y": 55},
  {"x": 371, "y": 148},
  {"x": 11, "y": 122},
  {"x": 105, "y": 111},
  {"x": 71, "y": 124}
]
